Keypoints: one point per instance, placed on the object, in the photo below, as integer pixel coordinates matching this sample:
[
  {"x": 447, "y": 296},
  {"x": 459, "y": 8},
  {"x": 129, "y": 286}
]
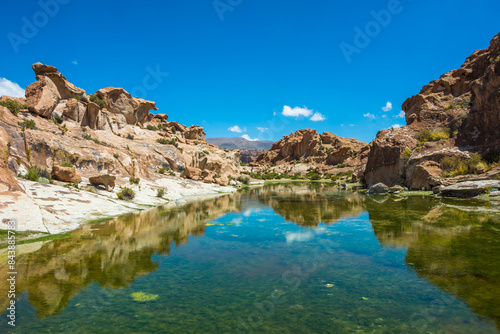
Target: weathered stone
[
  {"x": 427, "y": 175},
  {"x": 75, "y": 111},
  {"x": 397, "y": 189},
  {"x": 192, "y": 173},
  {"x": 66, "y": 174},
  {"x": 42, "y": 97},
  {"x": 195, "y": 132},
  {"x": 119, "y": 101},
  {"x": 41, "y": 69},
  {"x": 143, "y": 109},
  {"x": 108, "y": 181},
  {"x": 495, "y": 194},
  {"x": 469, "y": 188},
  {"x": 162, "y": 117},
  {"x": 378, "y": 188},
  {"x": 222, "y": 181},
  {"x": 208, "y": 176}
]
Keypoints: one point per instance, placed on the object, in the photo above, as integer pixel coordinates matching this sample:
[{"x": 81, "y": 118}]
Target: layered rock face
[
  {"x": 109, "y": 132},
  {"x": 323, "y": 151},
  {"x": 464, "y": 103}
]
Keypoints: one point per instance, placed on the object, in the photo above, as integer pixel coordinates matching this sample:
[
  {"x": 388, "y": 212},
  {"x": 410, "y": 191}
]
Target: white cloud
[
  {"x": 395, "y": 126},
  {"x": 74, "y": 62},
  {"x": 341, "y": 124},
  {"x": 401, "y": 114},
  {"x": 384, "y": 116},
  {"x": 388, "y": 107},
  {"x": 236, "y": 128},
  {"x": 298, "y": 236},
  {"x": 10, "y": 88},
  {"x": 351, "y": 124},
  {"x": 317, "y": 117},
  {"x": 261, "y": 129},
  {"x": 368, "y": 115},
  {"x": 296, "y": 111},
  {"x": 247, "y": 137}
]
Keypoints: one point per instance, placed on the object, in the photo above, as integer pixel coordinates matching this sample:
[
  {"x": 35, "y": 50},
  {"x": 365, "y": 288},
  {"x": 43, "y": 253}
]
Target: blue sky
[{"x": 267, "y": 67}]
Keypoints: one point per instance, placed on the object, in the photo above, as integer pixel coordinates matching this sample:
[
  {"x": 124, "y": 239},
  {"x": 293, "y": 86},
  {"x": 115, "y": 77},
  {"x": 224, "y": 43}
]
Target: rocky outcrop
[
  {"x": 324, "y": 151},
  {"x": 195, "y": 132},
  {"x": 42, "y": 97},
  {"x": 7, "y": 177},
  {"x": 248, "y": 156},
  {"x": 66, "y": 174},
  {"x": 192, "y": 173},
  {"x": 465, "y": 103},
  {"x": 108, "y": 181},
  {"x": 378, "y": 188}
]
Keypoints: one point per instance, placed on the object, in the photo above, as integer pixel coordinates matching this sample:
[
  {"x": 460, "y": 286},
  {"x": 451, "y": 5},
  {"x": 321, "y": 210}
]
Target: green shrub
[
  {"x": 432, "y": 135},
  {"x": 134, "y": 180},
  {"x": 125, "y": 194},
  {"x": 87, "y": 136},
  {"x": 152, "y": 127},
  {"x": 66, "y": 164},
  {"x": 461, "y": 166},
  {"x": 449, "y": 106},
  {"x": 406, "y": 154},
  {"x": 206, "y": 152},
  {"x": 97, "y": 101},
  {"x": 162, "y": 170},
  {"x": 116, "y": 156},
  {"x": 13, "y": 106},
  {"x": 57, "y": 119},
  {"x": 34, "y": 173},
  {"x": 28, "y": 124},
  {"x": 77, "y": 97},
  {"x": 341, "y": 165},
  {"x": 160, "y": 192},
  {"x": 465, "y": 103},
  {"x": 130, "y": 136},
  {"x": 163, "y": 141},
  {"x": 243, "y": 180}
]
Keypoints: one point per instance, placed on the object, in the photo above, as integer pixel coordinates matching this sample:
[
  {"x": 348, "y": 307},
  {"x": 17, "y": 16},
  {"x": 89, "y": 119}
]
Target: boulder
[
  {"x": 143, "y": 109},
  {"x": 75, "y": 111},
  {"x": 192, "y": 173},
  {"x": 8, "y": 181},
  {"x": 66, "y": 174},
  {"x": 469, "y": 188},
  {"x": 222, "y": 181},
  {"x": 195, "y": 132},
  {"x": 162, "y": 117},
  {"x": 397, "y": 189},
  {"x": 107, "y": 181},
  {"x": 119, "y": 101},
  {"x": 41, "y": 69},
  {"x": 378, "y": 188},
  {"x": 427, "y": 175},
  {"x": 208, "y": 176},
  {"x": 42, "y": 97}
]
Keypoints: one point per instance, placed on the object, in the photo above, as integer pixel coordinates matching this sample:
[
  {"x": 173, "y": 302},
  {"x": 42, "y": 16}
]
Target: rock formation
[
  {"x": 324, "y": 152},
  {"x": 464, "y": 104}
]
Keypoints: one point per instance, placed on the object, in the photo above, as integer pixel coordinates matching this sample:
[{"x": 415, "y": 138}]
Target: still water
[{"x": 277, "y": 259}]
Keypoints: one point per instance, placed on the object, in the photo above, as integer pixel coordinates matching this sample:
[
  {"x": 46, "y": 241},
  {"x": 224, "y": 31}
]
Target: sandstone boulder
[
  {"x": 108, "y": 181},
  {"x": 208, "y": 176},
  {"x": 222, "y": 181},
  {"x": 192, "y": 173},
  {"x": 427, "y": 175},
  {"x": 143, "y": 109},
  {"x": 41, "y": 69},
  {"x": 396, "y": 189},
  {"x": 66, "y": 174},
  {"x": 378, "y": 188},
  {"x": 195, "y": 132},
  {"x": 119, "y": 101},
  {"x": 42, "y": 97},
  {"x": 162, "y": 117}
]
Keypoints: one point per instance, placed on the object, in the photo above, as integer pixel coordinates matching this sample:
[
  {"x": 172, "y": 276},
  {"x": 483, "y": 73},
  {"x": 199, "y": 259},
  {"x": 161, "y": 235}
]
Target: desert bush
[
  {"x": 152, "y": 127},
  {"x": 463, "y": 166},
  {"x": 160, "y": 192},
  {"x": 432, "y": 135},
  {"x": 66, "y": 164},
  {"x": 341, "y": 165},
  {"x": 13, "y": 106},
  {"x": 28, "y": 124},
  {"x": 35, "y": 173},
  {"x": 243, "y": 180},
  {"x": 125, "y": 194},
  {"x": 130, "y": 136},
  {"x": 134, "y": 180},
  {"x": 406, "y": 154},
  {"x": 97, "y": 101}
]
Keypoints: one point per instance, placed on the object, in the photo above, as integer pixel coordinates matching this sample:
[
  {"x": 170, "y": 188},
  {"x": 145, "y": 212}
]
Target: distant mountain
[{"x": 239, "y": 143}]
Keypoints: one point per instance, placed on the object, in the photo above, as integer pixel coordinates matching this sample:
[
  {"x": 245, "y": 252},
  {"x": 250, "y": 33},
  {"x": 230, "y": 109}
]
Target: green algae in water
[
  {"x": 276, "y": 259},
  {"x": 143, "y": 297}
]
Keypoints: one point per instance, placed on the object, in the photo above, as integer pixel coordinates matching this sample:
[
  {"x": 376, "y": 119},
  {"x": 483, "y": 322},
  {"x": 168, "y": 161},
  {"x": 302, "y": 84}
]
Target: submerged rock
[{"x": 378, "y": 188}]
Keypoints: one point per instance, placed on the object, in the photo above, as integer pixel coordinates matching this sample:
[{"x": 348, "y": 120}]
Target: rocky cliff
[
  {"x": 324, "y": 152},
  {"x": 455, "y": 116}
]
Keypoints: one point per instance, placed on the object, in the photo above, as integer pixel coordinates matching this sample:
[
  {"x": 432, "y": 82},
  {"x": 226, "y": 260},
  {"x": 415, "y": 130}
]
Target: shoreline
[{"x": 53, "y": 209}]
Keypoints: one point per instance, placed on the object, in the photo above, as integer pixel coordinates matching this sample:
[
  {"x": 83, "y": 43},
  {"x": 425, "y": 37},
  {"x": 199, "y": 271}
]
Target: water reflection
[{"x": 448, "y": 243}]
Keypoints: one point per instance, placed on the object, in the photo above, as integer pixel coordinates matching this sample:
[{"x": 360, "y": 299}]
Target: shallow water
[{"x": 278, "y": 259}]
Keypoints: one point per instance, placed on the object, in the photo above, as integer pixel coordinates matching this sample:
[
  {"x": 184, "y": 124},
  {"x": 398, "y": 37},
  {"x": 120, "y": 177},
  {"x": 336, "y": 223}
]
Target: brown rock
[
  {"x": 107, "y": 181},
  {"x": 41, "y": 69},
  {"x": 208, "y": 176},
  {"x": 19, "y": 100},
  {"x": 195, "y": 132},
  {"x": 8, "y": 181},
  {"x": 143, "y": 109},
  {"x": 222, "y": 181},
  {"x": 75, "y": 111},
  {"x": 66, "y": 174},
  {"x": 192, "y": 173},
  {"x": 119, "y": 101},
  {"x": 42, "y": 97},
  {"x": 162, "y": 117},
  {"x": 427, "y": 176}
]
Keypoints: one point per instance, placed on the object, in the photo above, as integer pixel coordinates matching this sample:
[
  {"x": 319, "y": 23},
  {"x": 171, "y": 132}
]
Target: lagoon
[{"x": 283, "y": 258}]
